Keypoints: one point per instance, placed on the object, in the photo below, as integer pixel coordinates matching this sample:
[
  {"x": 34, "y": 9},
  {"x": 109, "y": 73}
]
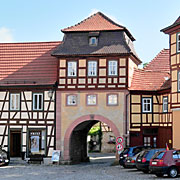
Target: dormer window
[{"x": 93, "y": 41}]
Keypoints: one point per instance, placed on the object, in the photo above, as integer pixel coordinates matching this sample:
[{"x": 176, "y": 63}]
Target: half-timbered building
[
  {"x": 28, "y": 76},
  {"x": 174, "y": 44},
  {"x": 150, "y": 113},
  {"x": 52, "y": 93},
  {"x": 96, "y": 61}
]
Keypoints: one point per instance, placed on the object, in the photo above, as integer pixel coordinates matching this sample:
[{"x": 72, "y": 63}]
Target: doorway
[{"x": 15, "y": 143}]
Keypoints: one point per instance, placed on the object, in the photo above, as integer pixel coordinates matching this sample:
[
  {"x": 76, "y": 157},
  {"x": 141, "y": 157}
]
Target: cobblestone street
[{"x": 98, "y": 169}]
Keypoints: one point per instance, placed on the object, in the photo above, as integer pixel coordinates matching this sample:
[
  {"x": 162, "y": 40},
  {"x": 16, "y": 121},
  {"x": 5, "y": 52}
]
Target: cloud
[
  {"x": 93, "y": 11},
  {"x": 6, "y": 35}
]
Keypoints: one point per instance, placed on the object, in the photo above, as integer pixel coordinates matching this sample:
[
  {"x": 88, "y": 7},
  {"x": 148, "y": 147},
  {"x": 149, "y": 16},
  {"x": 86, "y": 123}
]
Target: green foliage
[
  {"x": 144, "y": 65},
  {"x": 94, "y": 130}
]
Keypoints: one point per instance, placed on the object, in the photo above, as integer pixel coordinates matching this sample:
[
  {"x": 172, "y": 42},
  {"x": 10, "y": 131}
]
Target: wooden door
[{"x": 15, "y": 143}]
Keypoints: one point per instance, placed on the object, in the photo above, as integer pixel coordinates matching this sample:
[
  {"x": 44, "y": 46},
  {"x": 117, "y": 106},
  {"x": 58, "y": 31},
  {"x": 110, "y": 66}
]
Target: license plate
[
  {"x": 128, "y": 161},
  {"x": 139, "y": 160},
  {"x": 154, "y": 163},
  {"x": 6, "y": 160}
]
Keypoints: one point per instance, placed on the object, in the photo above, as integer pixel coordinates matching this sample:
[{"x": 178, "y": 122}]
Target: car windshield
[
  {"x": 141, "y": 154},
  {"x": 136, "y": 150},
  {"x": 159, "y": 155}
]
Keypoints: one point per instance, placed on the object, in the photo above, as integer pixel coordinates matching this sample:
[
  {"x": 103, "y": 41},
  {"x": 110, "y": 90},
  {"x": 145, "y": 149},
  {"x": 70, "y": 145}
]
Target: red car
[{"x": 166, "y": 162}]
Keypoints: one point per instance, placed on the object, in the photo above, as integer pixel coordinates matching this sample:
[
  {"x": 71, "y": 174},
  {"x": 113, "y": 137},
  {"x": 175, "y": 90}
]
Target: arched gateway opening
[{"x": 75, "y": 141}]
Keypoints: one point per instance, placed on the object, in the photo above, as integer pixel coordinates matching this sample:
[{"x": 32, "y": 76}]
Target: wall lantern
[{"x": 50, "y": 93}]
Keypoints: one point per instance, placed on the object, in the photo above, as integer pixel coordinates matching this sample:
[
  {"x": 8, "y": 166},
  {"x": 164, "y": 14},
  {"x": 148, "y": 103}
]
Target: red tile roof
[
  {"x": 160, "y": 62},
  {"x": 155, "y": 75},
  {"x": 28, "y": 63},
  {"x": 148, "y": 80},
  {"x": 96, "y": 22}
]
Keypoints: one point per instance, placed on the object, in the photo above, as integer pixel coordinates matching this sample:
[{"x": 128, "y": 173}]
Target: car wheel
[
  {"x": 173, "y": 172},
  {"x": 159, "y": 175}
]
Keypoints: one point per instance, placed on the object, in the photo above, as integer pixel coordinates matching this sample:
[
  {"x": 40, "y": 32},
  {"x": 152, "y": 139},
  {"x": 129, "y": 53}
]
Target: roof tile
[
  {"x": 155, "y": 76},
  {"x": 28, "y": 63}
]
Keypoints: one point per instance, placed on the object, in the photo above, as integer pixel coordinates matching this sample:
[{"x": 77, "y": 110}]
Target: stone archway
[{"x": 92, "y": 119}]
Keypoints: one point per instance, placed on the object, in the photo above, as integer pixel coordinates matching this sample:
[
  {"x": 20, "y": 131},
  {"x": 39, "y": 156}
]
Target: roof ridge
[{"x": 101, "y": 14}]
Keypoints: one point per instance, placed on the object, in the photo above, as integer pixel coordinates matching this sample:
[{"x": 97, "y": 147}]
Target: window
[
  {"x": 178, "y": 42},
  {"x": 165, "y": 104},
  {"x": 146, "y": 105},
  {"x": 15, "y": 101},
  {"x": 71, "y": 100},
  {"x": 72, "y": 69},
  {"x": 37, "y": 141},
  {"x": 92, "y": 68},
  {"x": 91, "y": 99},
  {"x": 112, "y": 68},
  {"x": 178, "y": 81},
  {"x": 93, "y": 41},
  {"x": 147, "y": 141},
  {"x": 112, "y": 99},
  {"x": 37, "y": 101}
]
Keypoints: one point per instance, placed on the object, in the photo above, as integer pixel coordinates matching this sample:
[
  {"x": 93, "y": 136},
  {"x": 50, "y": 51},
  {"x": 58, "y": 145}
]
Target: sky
[{"x": 42, "y": 20}]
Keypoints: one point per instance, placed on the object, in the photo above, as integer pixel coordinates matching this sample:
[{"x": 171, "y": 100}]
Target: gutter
[{"x": 126, "y": 119}]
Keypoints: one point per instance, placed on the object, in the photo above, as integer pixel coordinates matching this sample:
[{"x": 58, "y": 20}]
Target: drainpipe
[{"x": 126, "y": 119}]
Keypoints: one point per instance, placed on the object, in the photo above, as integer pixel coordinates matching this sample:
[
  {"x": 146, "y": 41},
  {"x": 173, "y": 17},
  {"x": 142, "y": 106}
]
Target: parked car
[
  {"x": 130, "y": 162},
  {"x": 143, "y": 160},
  {"x": 129, "y": 152},
  {"x": 166, "y": 162},
  {"x": 4, "y": 160}
]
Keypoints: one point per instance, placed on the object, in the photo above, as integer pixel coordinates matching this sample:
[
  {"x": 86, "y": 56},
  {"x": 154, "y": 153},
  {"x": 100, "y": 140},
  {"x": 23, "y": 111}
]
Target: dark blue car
[
  {"x": 129, "y": 152},
  {"x": 143, "y": 160}
]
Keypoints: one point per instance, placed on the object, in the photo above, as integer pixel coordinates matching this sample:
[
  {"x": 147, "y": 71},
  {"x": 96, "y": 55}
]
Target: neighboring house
[
  {"x": 150, "y": 113},
  {"x": 174, "y": 43},
  {"x": 28, "y": 74},
  {"x": 52, "y": 93}
]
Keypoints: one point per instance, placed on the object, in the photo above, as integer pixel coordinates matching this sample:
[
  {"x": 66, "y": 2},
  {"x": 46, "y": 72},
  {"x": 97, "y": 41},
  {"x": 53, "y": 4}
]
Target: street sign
[
  {"x": 119, "y": 140},
  {"x": 119, "y": 147}
]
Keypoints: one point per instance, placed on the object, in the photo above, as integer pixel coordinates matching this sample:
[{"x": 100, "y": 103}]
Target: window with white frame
[
  {"x": 178, "y": 42},
  {"x": 112, "y": 68},
  {"x": 92, "y": 68},
  {"x": 71, "y": 100},
  {"x": 112, "y": 99},
  {"x": 146, "y": 105},
  {"x": 178, "y": 86},
  {"x": 14, "y": 101},
  {"x": 38, "y": 101},
  {"x": 91, "y": 99},
  {"x": 72, "y": 68},
  {"x": 165, "y": 104},
  {"x": 93, "y": 41}
]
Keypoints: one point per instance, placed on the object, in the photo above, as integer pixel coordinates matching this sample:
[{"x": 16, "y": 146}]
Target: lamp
[{"x": 50, "y": 93}]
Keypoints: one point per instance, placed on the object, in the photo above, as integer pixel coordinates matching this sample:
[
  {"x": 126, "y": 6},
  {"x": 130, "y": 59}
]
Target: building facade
[
  {"x": 52, "y": 93},
  {"x": 174, "y": 44}
]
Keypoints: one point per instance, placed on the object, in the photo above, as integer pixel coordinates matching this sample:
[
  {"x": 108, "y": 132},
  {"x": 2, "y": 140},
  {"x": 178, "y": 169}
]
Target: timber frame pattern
[{"x": 26, "y": 118}]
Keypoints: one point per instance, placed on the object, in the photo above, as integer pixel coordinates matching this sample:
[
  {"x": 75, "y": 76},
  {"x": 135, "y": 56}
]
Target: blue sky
[{"x": 42, "y": 20}]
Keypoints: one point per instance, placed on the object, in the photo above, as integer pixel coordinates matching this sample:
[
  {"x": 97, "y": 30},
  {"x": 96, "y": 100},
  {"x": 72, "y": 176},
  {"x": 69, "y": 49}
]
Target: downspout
[{"x": 126, "y": 120}]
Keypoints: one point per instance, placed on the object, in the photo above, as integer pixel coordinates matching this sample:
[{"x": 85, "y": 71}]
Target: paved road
[{"x": 98, "y": 169}]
